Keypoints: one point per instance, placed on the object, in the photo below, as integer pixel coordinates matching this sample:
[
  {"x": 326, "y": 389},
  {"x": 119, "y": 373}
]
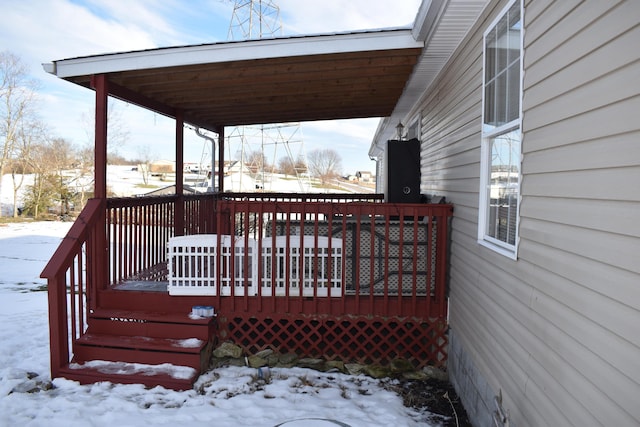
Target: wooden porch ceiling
[{"x": 275, "y": 88}]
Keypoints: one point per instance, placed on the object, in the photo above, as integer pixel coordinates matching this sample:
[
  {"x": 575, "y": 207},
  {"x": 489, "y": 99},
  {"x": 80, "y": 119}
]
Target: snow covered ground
[{"x": 224, "y": 397}]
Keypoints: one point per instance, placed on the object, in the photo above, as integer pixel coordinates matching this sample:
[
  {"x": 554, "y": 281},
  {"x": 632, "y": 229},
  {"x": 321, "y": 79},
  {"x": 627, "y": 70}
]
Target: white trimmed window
[{"x": 501, "y": 135}]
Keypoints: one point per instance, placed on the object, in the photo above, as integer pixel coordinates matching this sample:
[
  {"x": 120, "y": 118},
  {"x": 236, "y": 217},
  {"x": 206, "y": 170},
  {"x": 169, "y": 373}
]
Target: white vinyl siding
[
  {"x": 414, "y": 128},
  {"x": 557, "y": 330}
]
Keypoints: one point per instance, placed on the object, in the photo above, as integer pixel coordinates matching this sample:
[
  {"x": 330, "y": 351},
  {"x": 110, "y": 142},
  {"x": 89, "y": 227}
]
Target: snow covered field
[
  {"x": 222, "y": 398},
  {"x": 125, "y": 181}
]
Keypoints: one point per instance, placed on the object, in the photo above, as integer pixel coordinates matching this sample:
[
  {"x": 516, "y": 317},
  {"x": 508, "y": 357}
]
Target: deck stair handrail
[{"x": 70, "y": 269}]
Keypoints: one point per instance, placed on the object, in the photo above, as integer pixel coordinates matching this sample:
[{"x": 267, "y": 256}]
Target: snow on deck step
[
  {"x": 166, "y": 375},
  {"x": 138, "y": 349},
  {"x": 188, "y": 345}
]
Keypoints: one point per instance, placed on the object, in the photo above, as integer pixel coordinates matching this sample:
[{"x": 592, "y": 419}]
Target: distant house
[
  {"x": 160, "y": 167},
  {"x": 234, "y": 167},
  {"x": 528, "y": 123}
]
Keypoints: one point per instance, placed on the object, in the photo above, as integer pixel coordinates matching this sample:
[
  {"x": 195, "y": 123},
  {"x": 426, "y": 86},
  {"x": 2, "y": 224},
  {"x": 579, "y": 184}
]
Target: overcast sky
[{"x": 41, "y": 31}]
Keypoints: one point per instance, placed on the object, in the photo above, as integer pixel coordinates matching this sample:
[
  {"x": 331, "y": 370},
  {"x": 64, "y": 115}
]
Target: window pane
[
  {"x": 514, "y": 33},
  {"x": 489, "y": 104},
  {"x": 513, "y": 92},
  {"x": 501, "y": 99},
  {"x": 490, "y": 56},
  {"x": 502, "y": 70},
  {"x": 502, "y": 44},
  {"x": 504, "y": 174}
]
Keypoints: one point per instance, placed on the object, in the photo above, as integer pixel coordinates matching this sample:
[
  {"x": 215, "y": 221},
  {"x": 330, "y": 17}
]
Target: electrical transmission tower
[
  {"x": 253, "y": 19},
  {"x": 257, "y": 19}
]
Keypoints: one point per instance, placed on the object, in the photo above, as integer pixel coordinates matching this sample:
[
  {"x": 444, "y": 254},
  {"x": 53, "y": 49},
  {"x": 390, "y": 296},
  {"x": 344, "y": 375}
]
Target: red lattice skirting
[{"x": 367, "y": 340}]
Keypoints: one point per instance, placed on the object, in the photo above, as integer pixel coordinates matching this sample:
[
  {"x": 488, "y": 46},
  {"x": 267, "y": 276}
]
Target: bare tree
[
  {"x": 62, "y": 159},
  {"x": 301, "y": 165},
  {"x": 40, "y": 194},
  {"x": 145, "y": 159},
  {"x": 17, "y": 97},
  {"x": 117, "y": 130},
  {"x": 84, "y": 172},
  {"x": 324, "y": 164},
  {"x": 28, "y": 135},
  {"x": 257, "y": 162},
  {"x": 51, "y": 162},
  {"x": 286, "y": 166}
]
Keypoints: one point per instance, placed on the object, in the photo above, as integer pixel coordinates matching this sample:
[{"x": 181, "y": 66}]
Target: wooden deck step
[
  {"x": 90, "y": 374},
  {"x": 151, "y": 324},
  {"x": 149, "y": 316},
  {"x": 143, "y": 338},
  {"x": 145, "y": 350},
  {"x": 189, "y": 345}
]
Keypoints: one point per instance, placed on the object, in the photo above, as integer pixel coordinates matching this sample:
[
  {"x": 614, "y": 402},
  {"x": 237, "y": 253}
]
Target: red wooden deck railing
[
  {"x": 394, "y": 255},
  {"x": 138, "y": 229},
  {"x": 393, "y": 267},
  {"x": 137, "y": 233}
]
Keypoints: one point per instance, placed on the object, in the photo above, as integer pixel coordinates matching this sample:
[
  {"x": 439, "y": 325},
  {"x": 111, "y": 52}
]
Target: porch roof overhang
[
  {"x": 277, "y": 80},
  {"x": 441, "y": 25}
]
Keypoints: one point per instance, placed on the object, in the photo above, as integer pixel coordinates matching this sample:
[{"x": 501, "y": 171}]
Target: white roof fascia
[
  {"x": 429, "y": 13},
  {"x": 234, "y": 51}
]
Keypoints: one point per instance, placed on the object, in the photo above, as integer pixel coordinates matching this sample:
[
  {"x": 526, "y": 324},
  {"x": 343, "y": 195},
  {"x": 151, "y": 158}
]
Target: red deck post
[
  {"x": 58, "y": 326},
  {"x": 100, "y": 262},
  {"x": 100, "y": 85},
  {"x": 220, "y": 160},
  {"x": 179, "y": 208},
  {"x": 441, "y": 263}
]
